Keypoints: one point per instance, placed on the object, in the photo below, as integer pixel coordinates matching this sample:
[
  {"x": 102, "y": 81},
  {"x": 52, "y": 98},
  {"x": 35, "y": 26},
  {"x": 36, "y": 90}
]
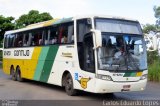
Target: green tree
[
  {"x": 32, "y": 17},
  {"x": 6, "y": 23},
  {"x": 148, "y": 27},
  {"x": 157, "y": 14}
]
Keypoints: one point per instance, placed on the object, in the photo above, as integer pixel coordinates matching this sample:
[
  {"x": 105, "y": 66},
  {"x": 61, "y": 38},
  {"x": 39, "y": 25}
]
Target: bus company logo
[
  {"x": 21, "y": 52},
  {"x": 17, "y": 53},
  {"x": 83, "y": 81}
]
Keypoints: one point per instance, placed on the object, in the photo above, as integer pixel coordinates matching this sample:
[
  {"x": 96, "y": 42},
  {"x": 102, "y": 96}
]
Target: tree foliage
[
  {"x": 6, "y": 23},
  {"x": 148, "y": 27},
  {"x": 32, "y": 17},
  {"x": 155, "y": 28},
  {"x": 157, "y": 14}
]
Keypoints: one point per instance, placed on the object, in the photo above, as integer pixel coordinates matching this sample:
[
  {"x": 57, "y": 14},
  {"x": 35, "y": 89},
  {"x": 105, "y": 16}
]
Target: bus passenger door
[{"x": 87, "y": 63}]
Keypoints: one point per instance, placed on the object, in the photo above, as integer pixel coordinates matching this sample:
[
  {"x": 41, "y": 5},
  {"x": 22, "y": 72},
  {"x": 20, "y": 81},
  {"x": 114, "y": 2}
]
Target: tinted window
[
  {"x": 6, "y": 41},
  {"x": 66, "y": 33},
  {"x": 118, "y": 26},
  {"x": 83, "y": 27},
  {"x": 18, "y": 40}
]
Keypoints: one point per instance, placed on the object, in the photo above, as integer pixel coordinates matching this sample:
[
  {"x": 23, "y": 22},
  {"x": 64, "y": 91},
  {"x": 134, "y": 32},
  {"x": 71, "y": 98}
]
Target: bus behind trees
[{"x": 99, "y": 54}]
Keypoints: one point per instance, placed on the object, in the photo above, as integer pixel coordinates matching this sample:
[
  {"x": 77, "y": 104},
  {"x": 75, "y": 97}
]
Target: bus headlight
[
  {"x": 104, "y": 77},
  {"x": 143, "y": 77}
]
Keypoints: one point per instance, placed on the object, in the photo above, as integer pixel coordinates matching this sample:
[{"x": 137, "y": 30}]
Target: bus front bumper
[{"x": 103, "y": 86}]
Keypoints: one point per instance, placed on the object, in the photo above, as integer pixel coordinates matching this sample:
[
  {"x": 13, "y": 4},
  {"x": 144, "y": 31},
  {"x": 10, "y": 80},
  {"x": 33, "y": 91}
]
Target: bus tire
[
  {"x": 13, "y": 74},
  {"x": 69, "y": 85},
  {"x": 18, "y": 75}
]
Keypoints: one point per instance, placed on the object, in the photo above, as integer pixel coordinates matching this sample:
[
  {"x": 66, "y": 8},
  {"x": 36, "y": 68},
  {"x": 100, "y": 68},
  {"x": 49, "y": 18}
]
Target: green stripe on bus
[
  {"x": 133, "y": 74},
  {"x": 130, "y": 74},
  {"x": 49, "y": 63},
  {"x": 127, "y": 74},
  {"x": 41, "y": 61}
]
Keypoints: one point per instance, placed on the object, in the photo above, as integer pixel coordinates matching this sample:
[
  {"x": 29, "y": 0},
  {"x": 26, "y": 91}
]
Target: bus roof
[
  {"x": 63, "y": 20},
  {"x": 104, "y": 16},
  {"x": 40, "y": 25}
]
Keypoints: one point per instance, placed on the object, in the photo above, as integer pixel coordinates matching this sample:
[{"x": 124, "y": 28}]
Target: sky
[{"x": 141, "y": 10}]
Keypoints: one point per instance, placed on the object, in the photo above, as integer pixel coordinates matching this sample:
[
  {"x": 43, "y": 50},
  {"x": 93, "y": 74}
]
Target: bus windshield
[
  {"x": 118, "y": 26},
  {"x": 123, "y": 47},
  {"x": 122, "y": 52}
]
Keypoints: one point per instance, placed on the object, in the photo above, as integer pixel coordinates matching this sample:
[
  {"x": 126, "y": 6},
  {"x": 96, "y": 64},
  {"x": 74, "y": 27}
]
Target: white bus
[{"x": 99, "y": 54}]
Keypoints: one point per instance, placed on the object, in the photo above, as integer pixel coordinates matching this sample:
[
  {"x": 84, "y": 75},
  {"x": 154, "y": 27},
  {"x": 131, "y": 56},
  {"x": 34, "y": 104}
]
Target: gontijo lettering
[{"x": 21, "y": 52}]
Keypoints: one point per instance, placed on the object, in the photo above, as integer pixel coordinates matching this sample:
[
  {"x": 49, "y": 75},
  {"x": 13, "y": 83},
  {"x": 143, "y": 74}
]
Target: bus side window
[
  {"x": 63, "y": 35},
  {"x": 11, "y": 40},
  {"x": 25, "y": 39},
  {"x": 60, "y": 39},
  {"x": 34, "y": 39},
  {"x": 83, "y": 27},
  {"x": 53, "y": 35},
  {"x": 29, "y": 43},
  {"x": 18, "y": 40},
  {"x": 39, "y": 38},
  {"x": 46, "y": 37},
  {"x": 6, "y": 41},
  {"x": 66, "y": 33},
  {"x": 43, "y": 37},
  {"x": 70, "y": 34}
]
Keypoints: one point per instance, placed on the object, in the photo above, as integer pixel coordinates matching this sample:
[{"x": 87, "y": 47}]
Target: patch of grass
[{"x": 153, "y": 66}]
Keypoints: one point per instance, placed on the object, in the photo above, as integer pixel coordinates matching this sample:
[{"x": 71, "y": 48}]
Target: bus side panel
[
  {"x": 30, "y": 65},
  {"x": 6, "y": 68},
  {"x": 64, "y": 61},
  {"x": 40, "y": 64},
  {"x": 50, "y": 58},
  {"x": 27, "y": 64},
  {"x": 7, "y": 63}
]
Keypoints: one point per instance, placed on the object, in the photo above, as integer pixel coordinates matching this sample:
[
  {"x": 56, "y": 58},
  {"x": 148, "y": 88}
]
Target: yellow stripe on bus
[
  {"x": 33, "y": 62},
  {"x": 50, "y": 22},
  {"x": 139, "y": 74}
]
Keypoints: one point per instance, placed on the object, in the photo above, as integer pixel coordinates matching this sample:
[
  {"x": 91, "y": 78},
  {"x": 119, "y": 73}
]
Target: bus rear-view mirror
[{"x": 97, "y": 38}]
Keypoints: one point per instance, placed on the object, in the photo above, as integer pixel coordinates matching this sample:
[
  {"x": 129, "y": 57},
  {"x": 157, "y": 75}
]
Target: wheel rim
[
  {"x": 68, "y": 84},
  {"x": 18, "y": 74}
]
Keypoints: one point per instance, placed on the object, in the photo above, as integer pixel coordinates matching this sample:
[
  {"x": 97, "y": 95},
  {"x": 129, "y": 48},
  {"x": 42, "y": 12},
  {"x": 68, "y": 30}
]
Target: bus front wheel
[{"x": 69, "y": 85}]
